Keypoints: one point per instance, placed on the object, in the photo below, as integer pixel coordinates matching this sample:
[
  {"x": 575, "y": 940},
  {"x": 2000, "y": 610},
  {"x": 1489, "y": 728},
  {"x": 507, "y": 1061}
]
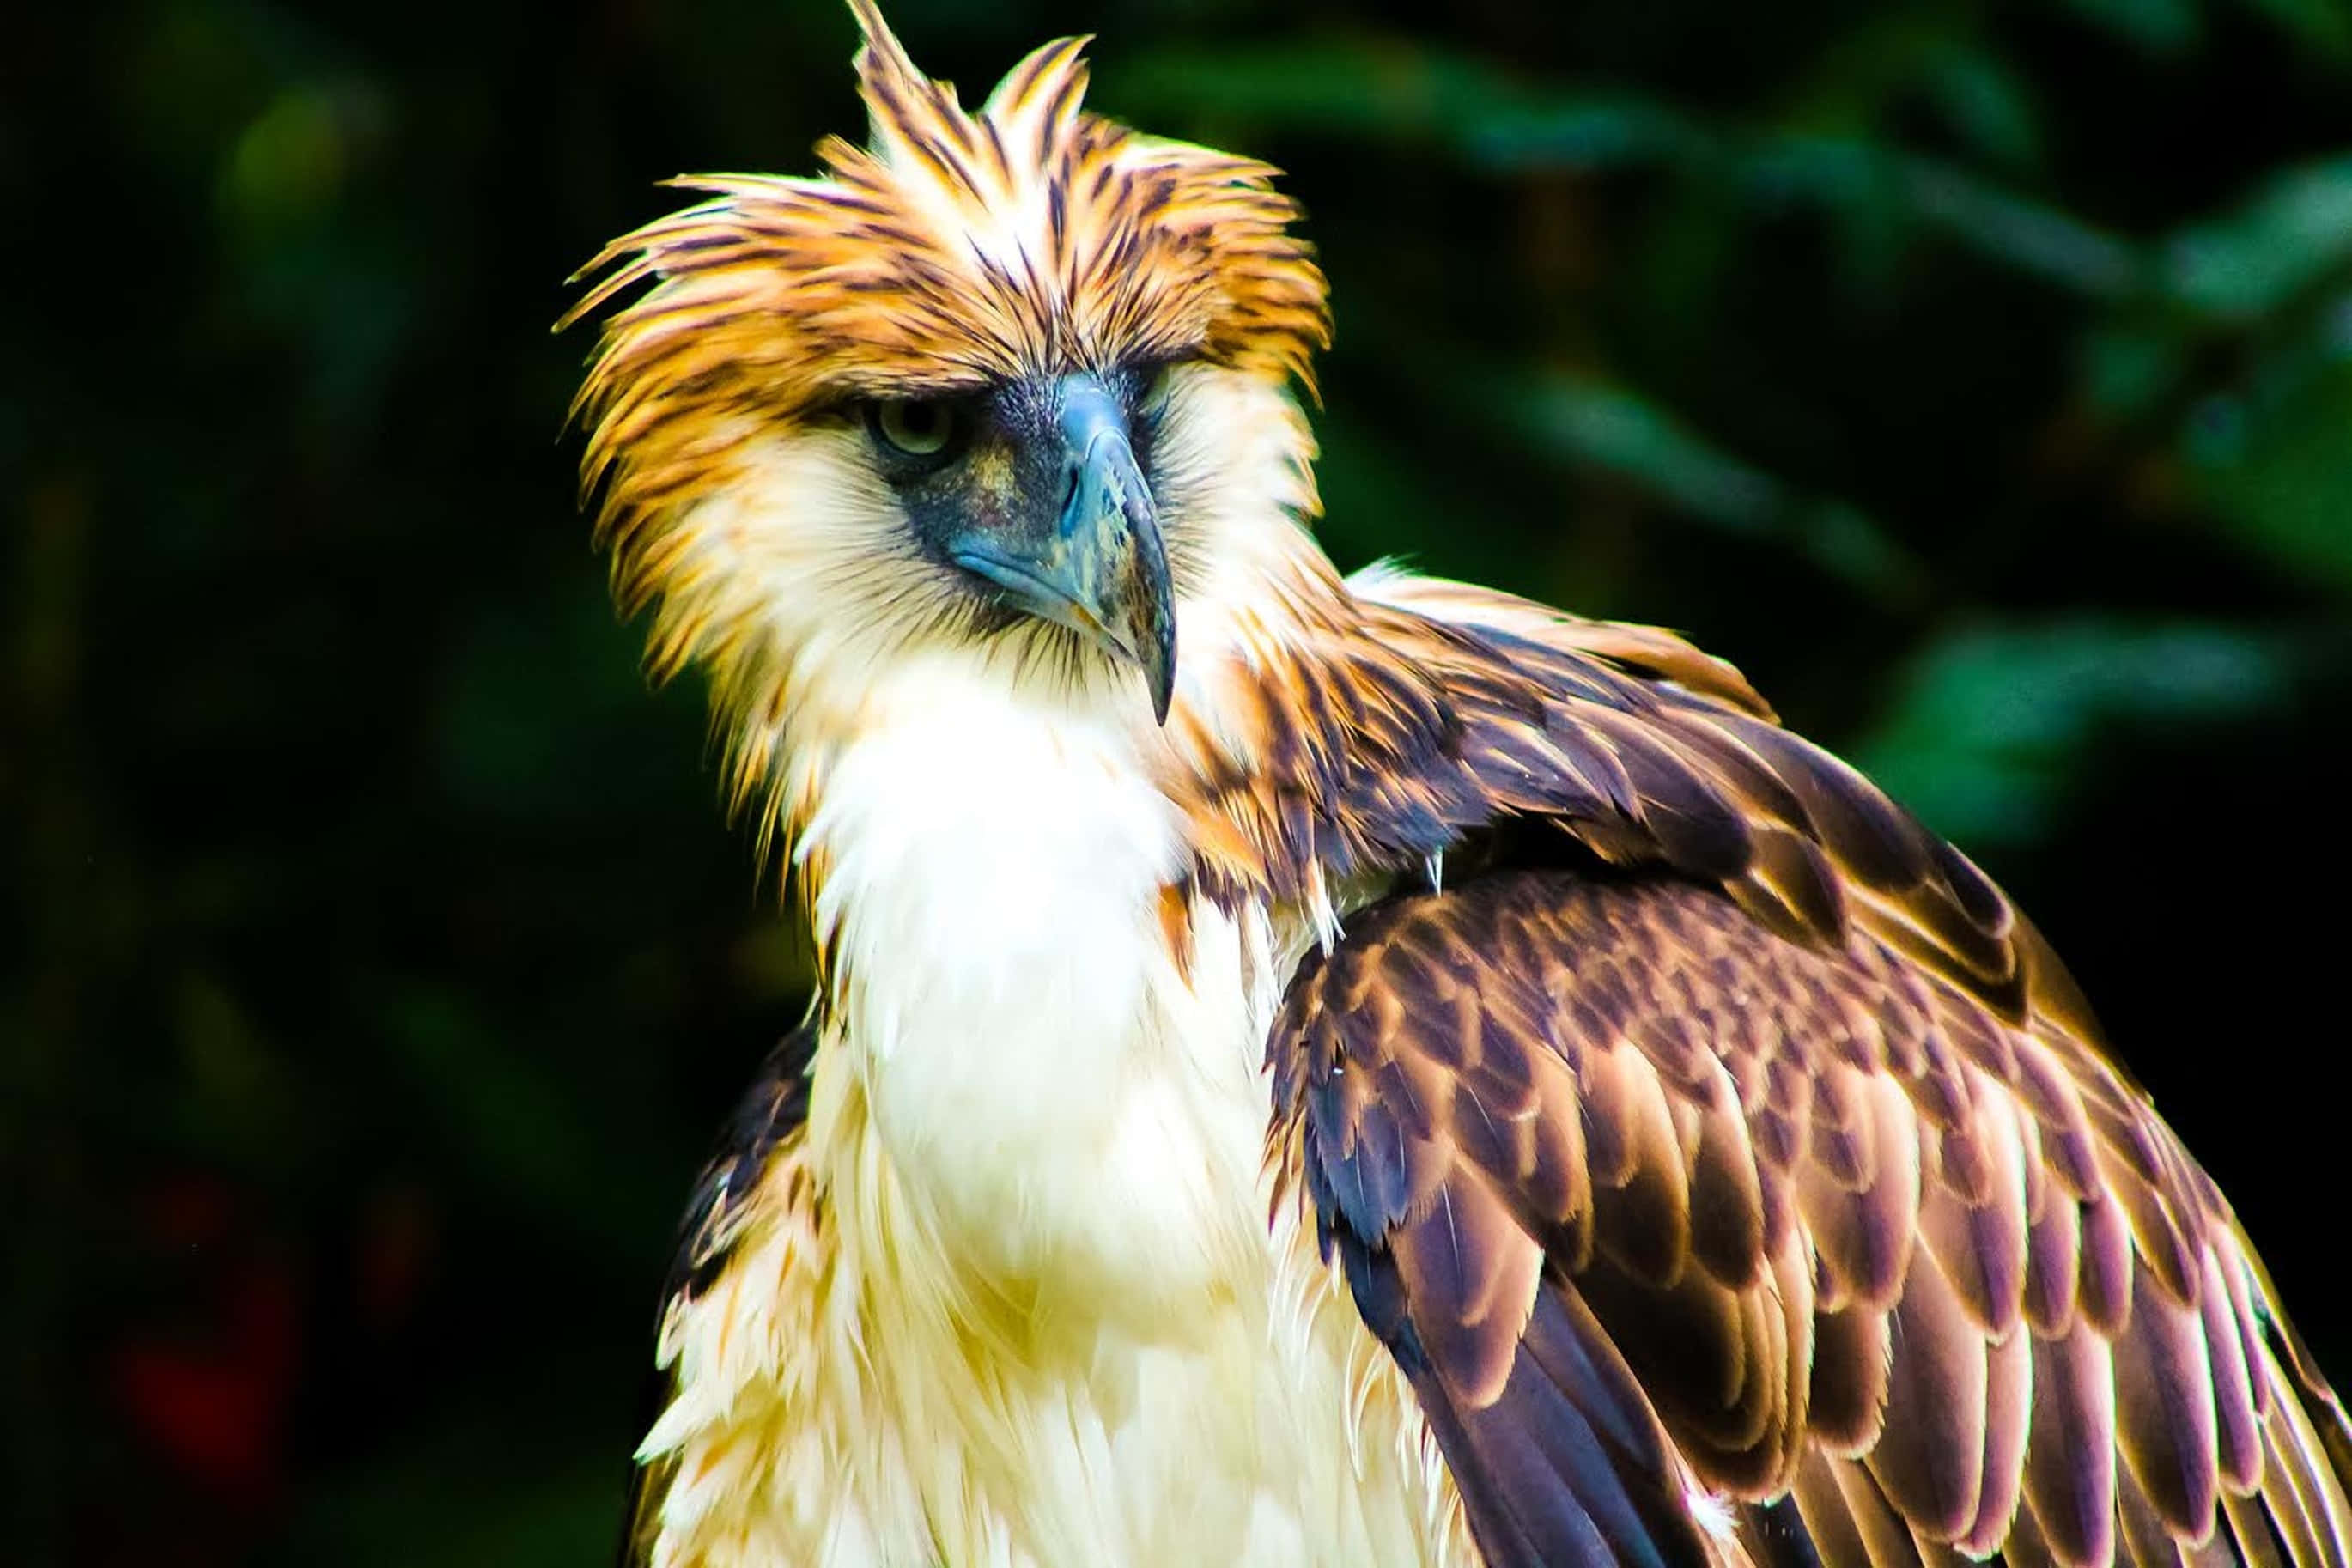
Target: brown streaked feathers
[{"x": 1764, "y": 1090}]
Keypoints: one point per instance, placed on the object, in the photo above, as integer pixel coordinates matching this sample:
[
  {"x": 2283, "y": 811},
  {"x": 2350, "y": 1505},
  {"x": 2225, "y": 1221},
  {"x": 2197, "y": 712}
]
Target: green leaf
[
  {"x": 1615, "y": 430},
  {"x": 1853, "y": 175},
  {"x": 1397, "y": 91},
  {"x": 1988, "y": 104},
  {"x": 2322, "y": 24},
  {"x": 1611, "y": 429},
  {"x": 1382, "y": 91},
  {"x": 2155, "y": 27},
  {"x": 1392, "y": 90},
  {"x": 1588, "y": 131},
  {"x": 1993, "y": 723},
  {"x": 2030, "y": 236},
  {"x": 2293, "y": 233},
  {"x": 2282, "y": 480}
]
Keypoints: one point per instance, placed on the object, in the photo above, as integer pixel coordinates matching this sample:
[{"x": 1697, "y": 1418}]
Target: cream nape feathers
[{"x": 1705, "y": 1163}]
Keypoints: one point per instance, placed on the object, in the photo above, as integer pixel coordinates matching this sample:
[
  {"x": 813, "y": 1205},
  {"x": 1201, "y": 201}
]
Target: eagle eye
[
  {"x": 916, "y": 427},
  {"x": 1152, "y": 397}
]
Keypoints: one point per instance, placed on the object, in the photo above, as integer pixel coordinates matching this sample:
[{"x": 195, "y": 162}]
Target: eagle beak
[{"x": 1103, "y": 569}]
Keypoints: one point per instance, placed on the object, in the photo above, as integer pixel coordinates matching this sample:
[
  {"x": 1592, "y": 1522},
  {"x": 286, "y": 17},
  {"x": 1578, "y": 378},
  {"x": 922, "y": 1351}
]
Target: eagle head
[{"x": 1001, "y": 385}]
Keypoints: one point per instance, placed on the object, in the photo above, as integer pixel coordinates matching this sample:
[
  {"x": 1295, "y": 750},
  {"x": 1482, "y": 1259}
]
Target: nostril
[{"x": 1070, "y": 484}]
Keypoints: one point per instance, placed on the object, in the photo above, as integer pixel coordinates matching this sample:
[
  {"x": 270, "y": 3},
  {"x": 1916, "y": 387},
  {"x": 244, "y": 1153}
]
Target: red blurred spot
[{"x": 212, "y": 1392}]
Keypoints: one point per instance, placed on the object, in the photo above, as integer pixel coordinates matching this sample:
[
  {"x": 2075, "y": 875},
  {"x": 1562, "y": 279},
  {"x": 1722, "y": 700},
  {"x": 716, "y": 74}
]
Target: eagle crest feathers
[{"x": 957, "y": 248}]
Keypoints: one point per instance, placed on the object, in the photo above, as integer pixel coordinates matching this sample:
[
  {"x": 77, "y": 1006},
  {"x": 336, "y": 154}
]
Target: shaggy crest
[{"x": 956, "y": 250}]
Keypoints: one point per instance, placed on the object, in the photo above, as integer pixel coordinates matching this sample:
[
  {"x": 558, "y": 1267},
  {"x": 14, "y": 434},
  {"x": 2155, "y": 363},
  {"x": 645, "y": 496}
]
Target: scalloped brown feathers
[
  {"x": 1768, "y": 1092},
  {"x": 1935, "y": 1276},
  {"x": 957, "y": 248}
]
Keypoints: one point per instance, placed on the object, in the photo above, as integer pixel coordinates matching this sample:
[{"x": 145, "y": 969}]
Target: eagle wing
[
  {"x": 1723, "y": 1132},
  {"x": 754, "y": 1170}
]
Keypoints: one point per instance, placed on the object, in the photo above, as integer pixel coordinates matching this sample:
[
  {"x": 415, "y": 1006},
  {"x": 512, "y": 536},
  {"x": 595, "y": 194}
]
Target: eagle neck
[{"x": 1036, "y": 1068}]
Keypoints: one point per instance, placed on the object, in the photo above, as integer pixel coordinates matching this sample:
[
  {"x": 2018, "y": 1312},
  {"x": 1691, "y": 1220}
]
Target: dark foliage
[{"x": 1978, "y": 377}]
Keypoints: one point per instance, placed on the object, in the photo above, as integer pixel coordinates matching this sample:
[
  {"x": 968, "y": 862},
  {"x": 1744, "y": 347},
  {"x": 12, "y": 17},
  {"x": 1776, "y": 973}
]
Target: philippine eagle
[{"x": 1320, "y": 1070}]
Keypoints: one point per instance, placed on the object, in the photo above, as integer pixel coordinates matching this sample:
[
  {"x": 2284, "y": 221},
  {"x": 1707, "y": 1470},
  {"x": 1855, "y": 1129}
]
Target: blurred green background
[{"x": 1979, "y": 377}]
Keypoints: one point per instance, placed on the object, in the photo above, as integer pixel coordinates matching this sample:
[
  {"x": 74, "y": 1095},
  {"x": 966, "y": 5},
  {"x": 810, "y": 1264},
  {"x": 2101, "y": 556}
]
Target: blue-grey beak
[{"x": 1102, "y": 569}]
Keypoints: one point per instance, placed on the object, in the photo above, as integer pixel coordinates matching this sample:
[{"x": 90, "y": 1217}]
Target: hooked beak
[{"x": 1101, "y": 569}]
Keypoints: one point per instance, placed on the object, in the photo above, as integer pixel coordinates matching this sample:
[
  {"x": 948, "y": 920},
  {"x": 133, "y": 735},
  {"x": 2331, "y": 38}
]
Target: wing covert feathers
[
  {"x": 1380, "y": 727},
  {"x": 1755, "y": 1147}
]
